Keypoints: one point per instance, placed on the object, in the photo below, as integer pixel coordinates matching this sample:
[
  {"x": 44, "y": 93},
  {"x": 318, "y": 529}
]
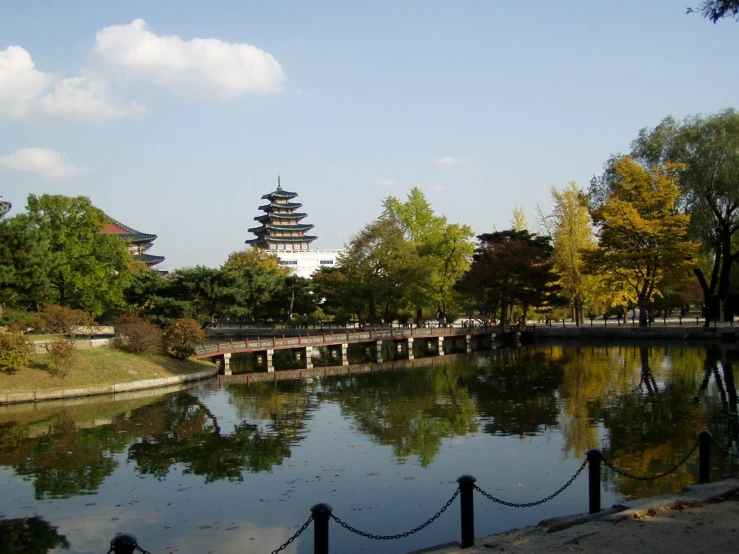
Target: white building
[{"x": 306, "y": 262}]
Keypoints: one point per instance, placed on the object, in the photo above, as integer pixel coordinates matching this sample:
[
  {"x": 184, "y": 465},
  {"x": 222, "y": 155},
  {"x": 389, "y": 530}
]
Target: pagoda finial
[{"x": 278, "y": 182}]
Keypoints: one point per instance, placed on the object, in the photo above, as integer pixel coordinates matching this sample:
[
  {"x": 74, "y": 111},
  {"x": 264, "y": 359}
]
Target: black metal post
[
  {"x": 123, "y": 544},
  {"x": 466, "y": 492},
  {"x": 594, "y": 458},
  {"x": 704, "y": 457},
  {"x": 321, "y": 513}
]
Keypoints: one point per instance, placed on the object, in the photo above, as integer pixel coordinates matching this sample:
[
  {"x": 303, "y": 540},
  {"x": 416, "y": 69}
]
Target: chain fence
[
  {"x": 289, "y": 541},
  {"x": 652, "y": 477},
  {"x": 398, "y": 535},
  {"x": 722, "y": 449},
  {"x": 538, "y": 502}
]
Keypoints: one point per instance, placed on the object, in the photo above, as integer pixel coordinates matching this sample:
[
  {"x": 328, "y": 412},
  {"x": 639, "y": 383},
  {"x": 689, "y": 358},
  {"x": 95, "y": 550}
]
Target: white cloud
[
  {"x": 25, "y": 91},
  {"x": 20, "y": 83},
  {"x": 197, "y": 68},
  {"x": 385, "y": 182},
  {"x": 86, "y": 98},
  {"x": 449, "y": 160},
  {"x": 40, "y": 162}
]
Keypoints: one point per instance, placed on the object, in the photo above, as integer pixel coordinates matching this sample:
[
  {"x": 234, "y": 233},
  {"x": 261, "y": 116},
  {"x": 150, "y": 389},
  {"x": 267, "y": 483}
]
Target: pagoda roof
[
  {"x": 267, "y": 217},
  {"x": 273, "y": 227},
  {"x": 4, "y": 206},
  {"x": 273, "y": 205},
  {"x": 279, "y": 193},
  {"x": 148, "y": 259},
  {"x": 125, "y": 232},
  {"x": 271, "y": 238}
]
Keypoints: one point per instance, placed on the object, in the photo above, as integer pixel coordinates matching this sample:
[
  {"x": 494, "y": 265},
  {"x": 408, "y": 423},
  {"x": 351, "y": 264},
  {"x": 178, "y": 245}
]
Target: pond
[{"x": 235, "y": 468}]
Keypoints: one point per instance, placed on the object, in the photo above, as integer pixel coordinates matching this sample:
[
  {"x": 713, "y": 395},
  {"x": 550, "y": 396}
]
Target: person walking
[{"x": 304, "y": 319}]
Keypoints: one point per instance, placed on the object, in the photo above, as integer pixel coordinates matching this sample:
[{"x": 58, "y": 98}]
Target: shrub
[
  {"x": 62, "y": 357},
  {"x": 180, "y": 337},
  {"x": 141, "y": 336},
  {"x": 63, "y": 320},
  {"x": 14, "y": 351}
]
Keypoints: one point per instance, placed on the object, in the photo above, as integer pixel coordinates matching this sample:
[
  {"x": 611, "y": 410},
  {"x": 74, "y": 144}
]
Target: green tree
[
  {"x": 25, "y": 260},
  {"x": 518, "y": 220},
  {"x": 641, "y": 238},
  {"x": 88, "y": 269},
  {"x": 445, "y": 247},
  {"x": 383, "y": 271},
  {"x": 512, "y": 269}
]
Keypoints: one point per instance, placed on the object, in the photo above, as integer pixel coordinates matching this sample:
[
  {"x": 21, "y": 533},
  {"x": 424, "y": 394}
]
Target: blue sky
[{"x": 175, "y": 117}]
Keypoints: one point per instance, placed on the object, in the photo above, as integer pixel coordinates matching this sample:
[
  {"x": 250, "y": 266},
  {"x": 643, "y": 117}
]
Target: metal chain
[
  {"x": 652, "y": 477},
  {"x": 722, "y": 449},
  {"x": 399, "y": 535},
  {"x": 142, "y": 550},
  {"x": 295, "y": 536},
  {"x": 530, "y": 504}
]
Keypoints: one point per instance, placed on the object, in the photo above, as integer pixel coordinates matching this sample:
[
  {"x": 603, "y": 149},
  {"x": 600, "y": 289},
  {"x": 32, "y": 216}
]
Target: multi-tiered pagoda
[
  {"x": 280, "y": 227},
  {"x": 4, "y": 207},
  {"x": 138, "y": 243}
]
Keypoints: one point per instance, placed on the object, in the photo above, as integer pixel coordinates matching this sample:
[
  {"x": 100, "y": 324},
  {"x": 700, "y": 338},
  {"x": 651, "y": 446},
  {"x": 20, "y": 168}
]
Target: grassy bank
[{"x": 100, "y": 366}]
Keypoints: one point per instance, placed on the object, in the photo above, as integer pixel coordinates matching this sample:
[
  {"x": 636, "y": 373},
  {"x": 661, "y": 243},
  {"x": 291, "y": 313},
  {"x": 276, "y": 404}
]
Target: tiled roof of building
[
  {"x": 148, "y": 259},
  {"x": 127, "y": 233}
]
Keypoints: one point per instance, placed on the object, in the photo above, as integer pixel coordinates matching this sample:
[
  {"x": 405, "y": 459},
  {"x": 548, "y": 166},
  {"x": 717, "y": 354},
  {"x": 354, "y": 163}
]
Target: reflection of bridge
[{"x": 337, "y": 344}]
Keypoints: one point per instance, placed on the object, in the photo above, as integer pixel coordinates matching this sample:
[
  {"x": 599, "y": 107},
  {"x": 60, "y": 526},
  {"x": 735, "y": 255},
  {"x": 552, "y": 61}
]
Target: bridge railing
[{"x": 354, "y": 336}]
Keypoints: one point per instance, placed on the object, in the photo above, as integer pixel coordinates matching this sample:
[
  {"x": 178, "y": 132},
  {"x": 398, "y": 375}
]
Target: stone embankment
[{"x": 114, "y": 389}]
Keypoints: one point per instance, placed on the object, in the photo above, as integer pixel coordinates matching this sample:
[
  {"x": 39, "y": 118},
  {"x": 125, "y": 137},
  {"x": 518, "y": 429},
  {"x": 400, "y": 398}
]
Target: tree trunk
[{"x": 643, "y": 314}]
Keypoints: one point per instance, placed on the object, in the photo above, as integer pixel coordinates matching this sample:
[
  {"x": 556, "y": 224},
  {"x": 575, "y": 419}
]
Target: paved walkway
[{"x": 703, "y": 518}]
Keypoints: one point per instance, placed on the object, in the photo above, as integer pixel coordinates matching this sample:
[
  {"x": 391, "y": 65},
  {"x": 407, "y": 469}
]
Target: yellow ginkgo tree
[{"x": 642, "y": 238}]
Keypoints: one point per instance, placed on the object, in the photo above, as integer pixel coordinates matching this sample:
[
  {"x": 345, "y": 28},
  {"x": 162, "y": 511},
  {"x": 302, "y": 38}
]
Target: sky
[{"x": 176, "y": 117}]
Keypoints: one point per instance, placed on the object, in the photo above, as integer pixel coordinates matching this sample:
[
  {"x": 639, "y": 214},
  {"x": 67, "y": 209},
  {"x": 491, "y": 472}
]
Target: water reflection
[
  {"x": 642, "y": 405},
  {"x": 29, "y": 535}
]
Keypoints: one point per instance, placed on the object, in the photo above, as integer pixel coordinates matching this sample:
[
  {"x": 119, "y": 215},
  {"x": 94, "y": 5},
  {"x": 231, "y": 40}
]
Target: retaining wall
[{"x": 114, "y": 389}]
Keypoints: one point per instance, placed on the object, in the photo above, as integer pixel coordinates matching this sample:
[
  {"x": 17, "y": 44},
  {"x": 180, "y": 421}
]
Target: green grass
[{"x": 98, "y": 366}]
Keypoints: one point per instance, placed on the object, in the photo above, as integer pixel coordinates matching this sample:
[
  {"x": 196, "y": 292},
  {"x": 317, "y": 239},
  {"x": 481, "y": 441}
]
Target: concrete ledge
[{"x": 114, "y": 389}]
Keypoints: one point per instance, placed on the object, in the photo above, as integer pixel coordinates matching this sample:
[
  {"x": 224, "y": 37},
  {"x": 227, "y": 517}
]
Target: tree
[
  {"x": 384, "y": 272},
  {"x": 570, "y": 228},
  {"x": 25, "y": 258},
  {"x": 518, "y": 221},
  {"x": 512, "y": 269},
  {"x": 445, "y": 247},
  {"x": 709, "y": 149},
  {"x": 717, "y": 9},
  {"x": 180, "y": 336},
  {"x": 642, "y": 239},
  {"x": 88, "y": 269},
  {"x": 256, "y": 257}
]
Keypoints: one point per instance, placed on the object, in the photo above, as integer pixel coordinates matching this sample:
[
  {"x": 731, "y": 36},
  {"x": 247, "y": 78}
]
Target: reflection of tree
[
  {"x": 651, "y": 426},
  {"x": 517, "y": 391},
  {"x": 722, "y": 416},
  {"x": 184, "y": 431},
  {"x": 410, "y": 411},
  {"x": 31, "y": 535},
  {"x": 286, "y": 407},
  {"x": 65, "y": 461}
]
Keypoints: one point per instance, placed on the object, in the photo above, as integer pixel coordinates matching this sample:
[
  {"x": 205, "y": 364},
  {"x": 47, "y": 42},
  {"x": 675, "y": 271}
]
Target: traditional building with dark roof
[
  {"x": 282, "y": 233},
  {"x": 280, "y": 228},
  {"x": 138, "y": 242}
]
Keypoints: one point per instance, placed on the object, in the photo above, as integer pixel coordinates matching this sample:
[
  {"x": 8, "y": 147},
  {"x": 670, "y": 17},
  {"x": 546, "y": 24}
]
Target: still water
[{"x": 236, "y": 468}]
